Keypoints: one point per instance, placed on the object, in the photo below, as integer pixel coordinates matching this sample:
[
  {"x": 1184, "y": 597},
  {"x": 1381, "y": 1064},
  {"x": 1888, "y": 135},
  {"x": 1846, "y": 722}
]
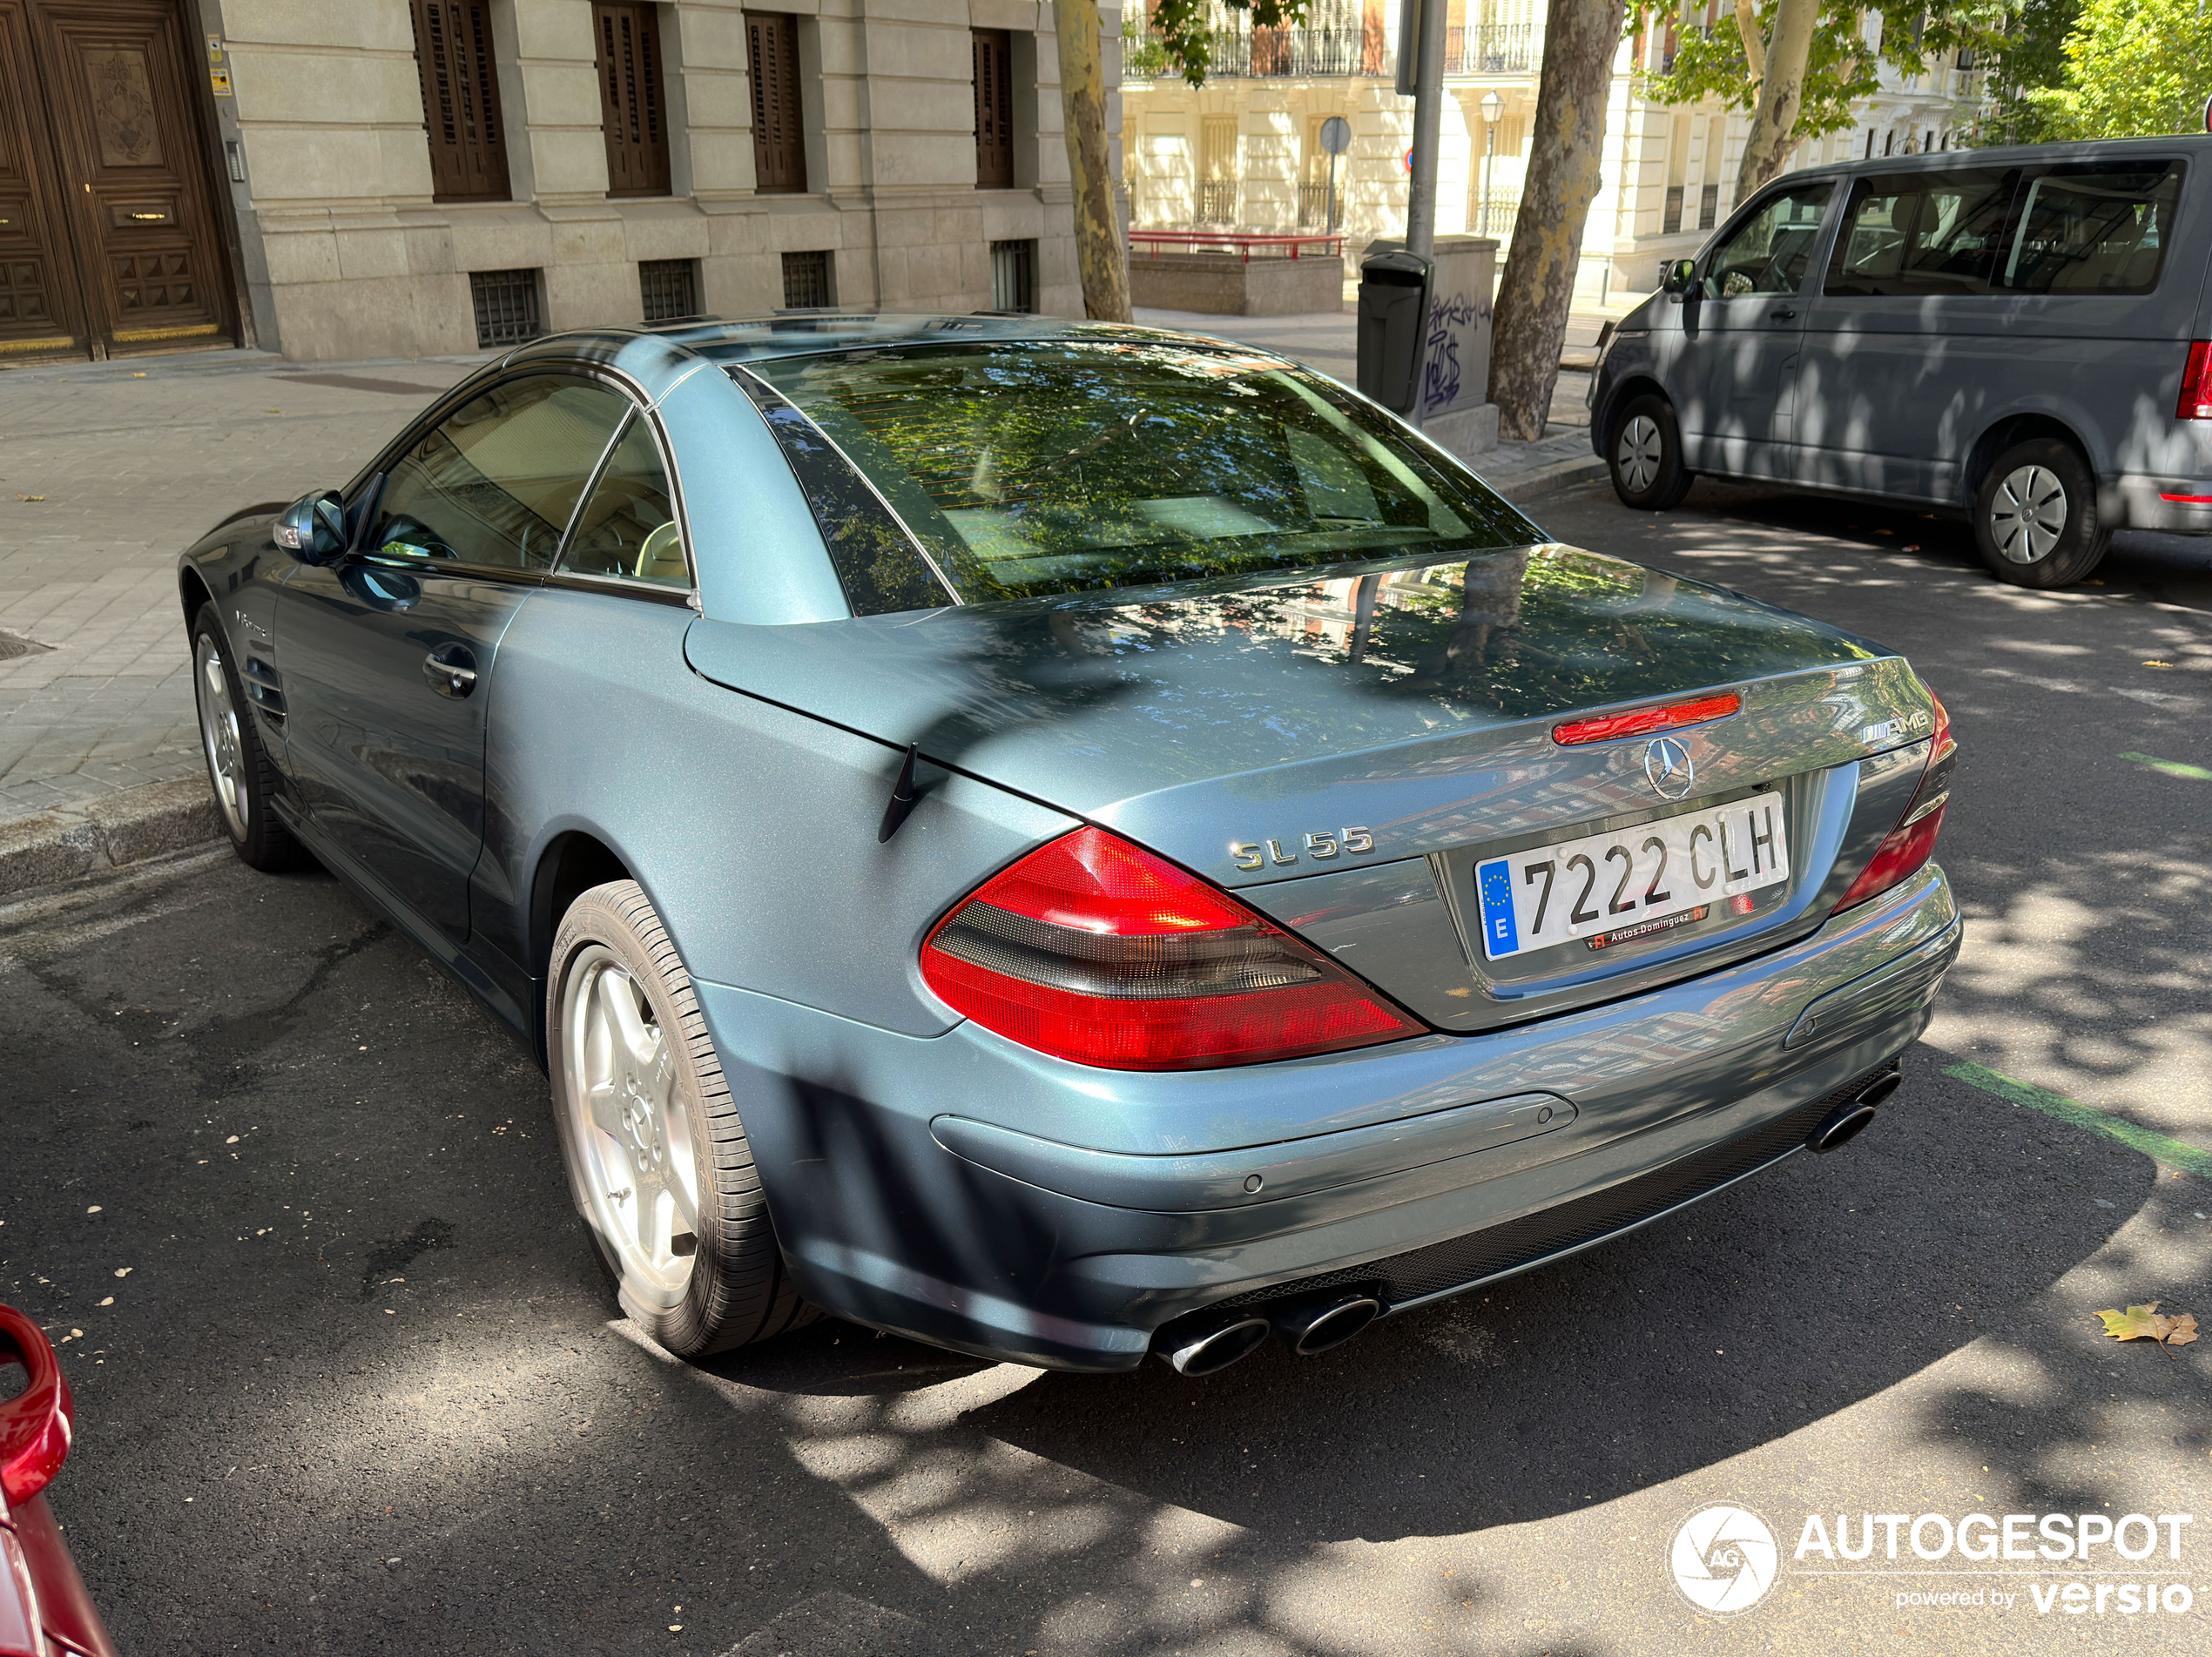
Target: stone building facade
[
  {"x": 1244, "y": 149},
  {"x": 335, "y": 179}
]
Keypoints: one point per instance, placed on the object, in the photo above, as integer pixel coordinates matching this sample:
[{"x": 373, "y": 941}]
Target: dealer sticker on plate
[{"x": 1612, "y": 889}]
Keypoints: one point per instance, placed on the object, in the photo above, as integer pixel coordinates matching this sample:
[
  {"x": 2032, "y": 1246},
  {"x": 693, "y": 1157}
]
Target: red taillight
[
  {"x": 1093, "y": 950},
  {"x": 1643, "y": 720},
  {"x": 1905, "y": 850},
  {"x": 2196, "y": 384}
]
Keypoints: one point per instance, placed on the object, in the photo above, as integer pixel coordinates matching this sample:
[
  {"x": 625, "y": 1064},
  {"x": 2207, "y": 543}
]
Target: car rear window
[
  {"x": 1033, "y": 468},
  {"x": 2098, "y": 227}
]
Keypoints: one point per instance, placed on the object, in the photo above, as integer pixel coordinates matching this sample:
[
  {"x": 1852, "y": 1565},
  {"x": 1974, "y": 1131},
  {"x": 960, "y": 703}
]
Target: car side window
[
  {"x": 2099, "y": 227},
  {"x": 495, "y": 482},
  {"x": 1768, "y": 252},
  {"x": 1922, "y": 233},
  {"x": 627, "y": 528}
]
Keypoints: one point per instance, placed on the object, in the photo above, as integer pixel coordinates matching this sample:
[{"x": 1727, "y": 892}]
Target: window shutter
[
  {"x": 460, "y": 100},
  {"x": 778, "y": 140},
  {"x": 994, "y": 109},
  {"x": 631, "y": 102}
]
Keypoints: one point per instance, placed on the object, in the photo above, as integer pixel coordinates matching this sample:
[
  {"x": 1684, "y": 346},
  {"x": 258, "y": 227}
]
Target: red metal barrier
[{"x": 1268, "y": 243}]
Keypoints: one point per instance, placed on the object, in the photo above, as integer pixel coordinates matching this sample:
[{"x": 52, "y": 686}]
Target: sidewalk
[{"x": 108, "y": 470}]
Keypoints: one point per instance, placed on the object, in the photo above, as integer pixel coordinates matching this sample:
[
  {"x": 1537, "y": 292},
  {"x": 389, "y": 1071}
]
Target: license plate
[{"x": 1612, "y": 889}]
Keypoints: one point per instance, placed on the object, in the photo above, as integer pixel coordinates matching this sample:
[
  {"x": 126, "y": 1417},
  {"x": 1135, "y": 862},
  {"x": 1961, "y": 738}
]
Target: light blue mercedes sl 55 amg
[{"x": 1069, "y": 841}]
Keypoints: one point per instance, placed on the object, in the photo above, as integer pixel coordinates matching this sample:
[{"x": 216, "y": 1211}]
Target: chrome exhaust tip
[
  {"x": 1841, "y": 1126},
  {"x": 1311, "y": 1326},
  {"x": 1881, "y": 1087},
  {"x": 1210, "y": 1343}
]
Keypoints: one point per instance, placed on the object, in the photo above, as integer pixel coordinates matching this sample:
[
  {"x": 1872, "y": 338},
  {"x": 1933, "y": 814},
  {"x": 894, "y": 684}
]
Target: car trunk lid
[{"x": 1382, "y": 729}]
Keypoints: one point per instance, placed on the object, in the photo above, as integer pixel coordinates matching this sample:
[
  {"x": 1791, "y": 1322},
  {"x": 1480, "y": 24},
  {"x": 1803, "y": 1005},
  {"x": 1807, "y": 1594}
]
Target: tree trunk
[
  {"x": 1565, "y": 169},
  {"x": 1099, "y": 257},
  {"x": 1781, "y": 92}
]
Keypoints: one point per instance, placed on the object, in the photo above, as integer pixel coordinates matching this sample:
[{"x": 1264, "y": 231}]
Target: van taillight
[
  {"x": 1905, "y": 850},
  {"x": 2196, "y": 384},
  {"x": 1093, "y": 949}
]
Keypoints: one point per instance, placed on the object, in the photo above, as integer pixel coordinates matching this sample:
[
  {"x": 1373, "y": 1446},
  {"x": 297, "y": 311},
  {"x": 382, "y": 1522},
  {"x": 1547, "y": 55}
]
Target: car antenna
[{"x": 902, "y": 797}]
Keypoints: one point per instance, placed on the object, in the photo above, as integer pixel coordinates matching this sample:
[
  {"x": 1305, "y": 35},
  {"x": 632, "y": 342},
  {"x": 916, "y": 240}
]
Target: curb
[
  {"x": 1550, "y": 479},
  {"x": 130, "y": 826}
]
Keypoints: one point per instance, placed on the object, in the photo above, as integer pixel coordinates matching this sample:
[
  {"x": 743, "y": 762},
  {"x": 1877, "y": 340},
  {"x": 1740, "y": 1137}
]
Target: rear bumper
[
  {"x": 974, "y": 1194},
  {"x": 2173, "y": 505}
]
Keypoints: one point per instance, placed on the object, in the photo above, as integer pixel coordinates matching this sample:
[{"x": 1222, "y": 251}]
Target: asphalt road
[{"x": 348, "y": 1380}]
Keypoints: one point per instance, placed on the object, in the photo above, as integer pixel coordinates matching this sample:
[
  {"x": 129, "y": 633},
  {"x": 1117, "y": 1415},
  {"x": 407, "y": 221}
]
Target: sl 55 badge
[{"x": 1321, "y": 845}]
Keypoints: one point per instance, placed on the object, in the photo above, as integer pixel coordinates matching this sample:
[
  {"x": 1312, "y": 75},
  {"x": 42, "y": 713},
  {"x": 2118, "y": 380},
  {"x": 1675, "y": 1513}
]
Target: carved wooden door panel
[
  {"x": 132, "y": 172},
  {"x": 41, "y": 313}
]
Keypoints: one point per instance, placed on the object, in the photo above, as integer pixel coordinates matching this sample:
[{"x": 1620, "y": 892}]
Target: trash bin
[{"x": 1393, "y": 325}]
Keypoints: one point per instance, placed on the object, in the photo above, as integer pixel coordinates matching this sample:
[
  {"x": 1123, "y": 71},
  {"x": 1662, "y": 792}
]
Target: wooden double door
[{"x": 108, "y": 240}]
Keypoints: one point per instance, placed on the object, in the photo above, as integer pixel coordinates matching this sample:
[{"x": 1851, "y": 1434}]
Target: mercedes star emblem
[{"x": 1666, "y": 761}]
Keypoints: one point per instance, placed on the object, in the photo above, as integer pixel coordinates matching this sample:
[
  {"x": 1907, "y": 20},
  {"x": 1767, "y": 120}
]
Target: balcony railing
[
  {"x": 1269, "y": 54},
  {"x": 1491, "y": 49},
  {"x": 1216, "y": 201},
  {"x": 1279, "y": 53}
]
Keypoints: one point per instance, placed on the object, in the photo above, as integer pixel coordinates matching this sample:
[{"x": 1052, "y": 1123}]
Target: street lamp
[{"x": 1493, "y": 107}]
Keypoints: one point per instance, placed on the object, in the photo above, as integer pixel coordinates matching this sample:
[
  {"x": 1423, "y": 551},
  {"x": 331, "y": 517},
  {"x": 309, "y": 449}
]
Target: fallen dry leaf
[
  {"x": 2148, "y": 1323},
  {"x": 31, "y": 497}
]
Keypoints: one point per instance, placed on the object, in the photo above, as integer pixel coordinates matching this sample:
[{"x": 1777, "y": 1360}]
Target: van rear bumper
[{"x": 2175, "y": 505}]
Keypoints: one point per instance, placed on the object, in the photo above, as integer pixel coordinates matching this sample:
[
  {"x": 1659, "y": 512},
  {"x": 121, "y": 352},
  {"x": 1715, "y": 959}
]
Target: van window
[
  {"x": 1922, "y": 232},
  {"x": 1768, "y": 252},
  {"x": 2099, "y": 227}
]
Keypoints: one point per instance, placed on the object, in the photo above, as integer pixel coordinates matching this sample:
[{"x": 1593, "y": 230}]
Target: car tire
[
  {"x": 2036, "y": 522},
  {"x": 1644, "y": 456},
  {"x": 650, "y": 1135},
  {"x": 238, "y": 771}
]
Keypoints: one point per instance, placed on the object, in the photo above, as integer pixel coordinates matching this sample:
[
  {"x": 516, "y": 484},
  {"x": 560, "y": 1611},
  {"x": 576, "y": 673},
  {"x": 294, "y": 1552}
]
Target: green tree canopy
[
  {"x": 2132, "y": 68},
  {"x": 1841, "y": 68},
  {"x": 2032, "y": 62}
]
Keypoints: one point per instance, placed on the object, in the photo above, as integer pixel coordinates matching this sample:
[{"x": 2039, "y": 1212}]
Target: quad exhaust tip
[
  {"x": 1208, "y": 1345},
  {"x": 1854, "y": 1117},
  {"x": 1209, "y": 1342},
  {"x": 1311, "y": 1326}
]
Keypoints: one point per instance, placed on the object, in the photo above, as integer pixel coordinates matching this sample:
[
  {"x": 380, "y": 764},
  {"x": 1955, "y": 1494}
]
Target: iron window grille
[
  {"x": 669, "y": 288},
  {"x": 807, "y": 281},
  {"x": 1014, "y": 276},
  {"x": 507, "y": 308}
]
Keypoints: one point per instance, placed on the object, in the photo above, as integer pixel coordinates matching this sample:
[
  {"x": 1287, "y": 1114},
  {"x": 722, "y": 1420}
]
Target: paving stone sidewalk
[{"x": 108, "y": 470}]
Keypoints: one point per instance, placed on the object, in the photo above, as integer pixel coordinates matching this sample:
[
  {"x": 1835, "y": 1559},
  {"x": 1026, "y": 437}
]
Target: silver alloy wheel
[
  {"x": 632, "y": 1131},
  {"x": 1637, "y": 454},
  {"x": 218, "y": 734},
  {"x": 2027, "y": 515}
]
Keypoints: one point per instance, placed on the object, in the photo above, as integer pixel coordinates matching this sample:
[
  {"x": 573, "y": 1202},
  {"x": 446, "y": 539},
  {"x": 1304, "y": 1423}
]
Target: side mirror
[
  {"x": 313, "y": 529},
  {"x": 1682, "y": 276}
]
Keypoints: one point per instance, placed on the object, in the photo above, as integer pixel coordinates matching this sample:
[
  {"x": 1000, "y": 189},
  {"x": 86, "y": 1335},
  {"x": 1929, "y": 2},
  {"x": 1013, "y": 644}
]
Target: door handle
[
  {"x": 451, "y": 669},
  {"x": 1782, "y": 315}
]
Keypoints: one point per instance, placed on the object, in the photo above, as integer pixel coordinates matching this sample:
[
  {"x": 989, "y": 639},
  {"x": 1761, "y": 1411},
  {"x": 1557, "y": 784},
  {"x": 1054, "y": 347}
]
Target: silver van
[{"x": 2017, "y": 335}]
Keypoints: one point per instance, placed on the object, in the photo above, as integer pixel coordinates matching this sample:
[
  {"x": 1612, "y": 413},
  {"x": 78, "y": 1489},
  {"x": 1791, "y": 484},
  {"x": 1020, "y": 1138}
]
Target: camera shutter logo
[{"x": 1723, "y": 1559}]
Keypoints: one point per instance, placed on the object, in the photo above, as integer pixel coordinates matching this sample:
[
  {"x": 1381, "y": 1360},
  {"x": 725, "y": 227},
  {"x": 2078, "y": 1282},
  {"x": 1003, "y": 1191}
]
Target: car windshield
[{"x": 1033, "y": 468}]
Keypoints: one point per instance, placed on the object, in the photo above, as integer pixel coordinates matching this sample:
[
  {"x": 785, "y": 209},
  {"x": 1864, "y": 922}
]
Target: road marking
[
  {"x": 2171, "y": 767},
  {"x": 2157, "y": 1147}
]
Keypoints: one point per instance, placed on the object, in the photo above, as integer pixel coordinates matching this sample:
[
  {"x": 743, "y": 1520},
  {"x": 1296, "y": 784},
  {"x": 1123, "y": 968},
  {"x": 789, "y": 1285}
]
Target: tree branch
[{"x": 1747, "y": 25}]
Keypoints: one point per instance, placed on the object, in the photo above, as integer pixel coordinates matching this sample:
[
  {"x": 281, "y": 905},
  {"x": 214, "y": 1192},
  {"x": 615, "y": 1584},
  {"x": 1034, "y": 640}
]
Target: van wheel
[
  {"x": 1646, "y": 458},
  {"x": 2036, "y": 515},
  {"x": 658, "y": 1161}
]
